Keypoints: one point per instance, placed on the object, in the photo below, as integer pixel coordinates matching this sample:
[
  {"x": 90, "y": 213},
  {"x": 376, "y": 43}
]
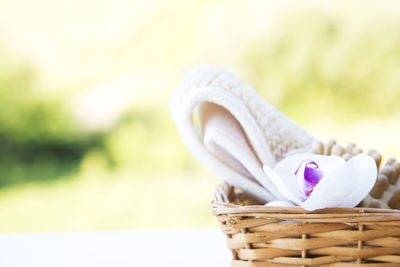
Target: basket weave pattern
[{"x": 269, "y": 236}]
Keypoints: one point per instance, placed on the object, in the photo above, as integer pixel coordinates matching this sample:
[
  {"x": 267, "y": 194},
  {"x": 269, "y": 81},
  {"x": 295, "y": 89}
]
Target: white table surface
[{"x": 203, "y": 247}]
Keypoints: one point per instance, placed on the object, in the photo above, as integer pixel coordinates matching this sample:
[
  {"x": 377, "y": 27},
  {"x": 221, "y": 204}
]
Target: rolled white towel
[{"x": 238, "y": 131}]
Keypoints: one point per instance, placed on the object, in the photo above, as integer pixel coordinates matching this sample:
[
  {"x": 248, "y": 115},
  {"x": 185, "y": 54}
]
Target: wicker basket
[{"x": 269, "y": 236}]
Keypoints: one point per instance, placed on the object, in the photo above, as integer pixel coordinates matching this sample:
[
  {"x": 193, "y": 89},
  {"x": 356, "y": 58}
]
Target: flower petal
[
  {"x": 365, "y": 179},
  {"x": 285, "y": 179},
  {"x": 281, "y": 186},
  {"x": 345, "y": 186}
]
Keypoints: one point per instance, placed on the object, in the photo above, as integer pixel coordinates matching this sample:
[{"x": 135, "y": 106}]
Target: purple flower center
[{"x": 308, "y": 176}]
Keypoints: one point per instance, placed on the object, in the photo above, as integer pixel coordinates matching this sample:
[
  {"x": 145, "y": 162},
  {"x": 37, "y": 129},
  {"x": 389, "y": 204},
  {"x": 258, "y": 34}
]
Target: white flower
[{"x": 317, "y": 181}]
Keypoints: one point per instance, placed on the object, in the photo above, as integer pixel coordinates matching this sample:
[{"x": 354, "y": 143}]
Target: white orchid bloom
[{"x": 318, "y": 181}]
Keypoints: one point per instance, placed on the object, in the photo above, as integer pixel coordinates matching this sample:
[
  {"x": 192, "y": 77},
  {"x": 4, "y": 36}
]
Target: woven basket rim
[
  {"x": 222, "y": 206},
  {"x": 229, "y": 208}
]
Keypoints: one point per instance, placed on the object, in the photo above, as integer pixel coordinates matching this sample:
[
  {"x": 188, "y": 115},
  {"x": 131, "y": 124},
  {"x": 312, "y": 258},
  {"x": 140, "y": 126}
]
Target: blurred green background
[{"x": 86, "y": 140}]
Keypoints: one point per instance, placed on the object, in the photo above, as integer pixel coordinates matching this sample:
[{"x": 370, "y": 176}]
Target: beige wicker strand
[
  {"x": 304, "y": 251},
  {"x": 360, "y": 242},
  {"x": 247, "y": 245},
  {"x": 233, "y": 251},
  {"x": 222, "y": 195}
]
